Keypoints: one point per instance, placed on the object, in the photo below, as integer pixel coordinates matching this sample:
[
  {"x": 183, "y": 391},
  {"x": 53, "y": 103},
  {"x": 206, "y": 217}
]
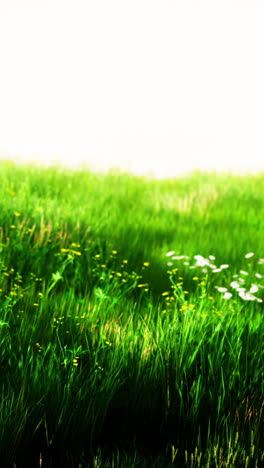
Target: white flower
[
  {"x": 234, "y": 284},
  {"x": 253, "y": 288},
  {"x": 249, "y": 255},
  {"x": 170, "y": 253},
  {"x": 220, "y": 289},
  {"x": 216, "y": 270},
  {"x": 261, "y": 260},
  {"x": 259, "y": 300},
  {"x": 200, "y": 261},
  {"x": 246, "y": 296},
  {"x": 241, "y": 289},
  {"x": 211, "y": 257},
  {"x": 169, "y": 263},
  {"x": 224, "y": 266},
  {"x": 177, "y": 257},
  {"x": 227, "y": 295},
  {"x": 241, "y": 280},
  {"x": 258, "y": 275},
  {"x": 186, "y": 263},
  {"x": 243, "y": 272}
]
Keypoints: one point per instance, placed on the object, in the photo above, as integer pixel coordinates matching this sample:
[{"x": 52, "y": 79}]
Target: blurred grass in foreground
[{"x": 131, "y": 319}]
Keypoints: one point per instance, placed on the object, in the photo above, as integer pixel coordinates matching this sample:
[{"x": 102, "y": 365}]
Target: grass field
[{"x": 131, "y": 320}]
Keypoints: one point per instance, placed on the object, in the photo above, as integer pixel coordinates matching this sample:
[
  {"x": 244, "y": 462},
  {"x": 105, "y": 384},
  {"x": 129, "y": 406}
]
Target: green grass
[{"x": 113, "y": 353}]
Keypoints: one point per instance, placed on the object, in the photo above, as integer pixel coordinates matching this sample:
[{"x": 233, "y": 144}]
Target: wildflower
[
  {"x": 142, "y": 285},
  {"x": 216, "y": 270},
  {"x": 166, "y": 293},
  {"x": 211, "y": 257},
  {"x": 253, "y": 288},
  {"x": 146, "y": 264},
  {"x": 224, "y": 266},
  {"x": 227, "y": 295},
  {"x": 126, "y": 261},
  {"x": 221, "y": 289},
  {"x": 246, "y": 296},
  {"x": 242, "y": 272},
  {"x": 114, "y": 252},
  {"x": 16, "y": 213},
  {"x": 241, "y": 280},
  {"x": 169, "y": 263},
  {"x": 76, "y": 252},
  {"x": 258, "y": 275},
  {"x": 169, "y": 254},
  {"x": 200, "y": 260},
  {"x": 234, "y": 284},
  {"x": 249, "y": 255}
]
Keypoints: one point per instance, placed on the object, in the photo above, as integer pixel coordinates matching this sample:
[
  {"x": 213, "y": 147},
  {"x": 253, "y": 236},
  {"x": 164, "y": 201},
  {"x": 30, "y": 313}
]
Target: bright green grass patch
[{"x": 130, "y": 309}]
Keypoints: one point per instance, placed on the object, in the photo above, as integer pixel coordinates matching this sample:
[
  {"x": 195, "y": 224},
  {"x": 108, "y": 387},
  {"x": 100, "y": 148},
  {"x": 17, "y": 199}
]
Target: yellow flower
[
  {"x": 16, "y": 213},
  {"x": 146, "y": 264},
  {"x": 76, "y": 252},
  {"x": 166, "y": 293}
]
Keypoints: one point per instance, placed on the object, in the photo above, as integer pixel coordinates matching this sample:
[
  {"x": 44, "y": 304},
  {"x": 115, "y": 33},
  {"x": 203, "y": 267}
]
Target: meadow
[{"x": 131, "y": 320}]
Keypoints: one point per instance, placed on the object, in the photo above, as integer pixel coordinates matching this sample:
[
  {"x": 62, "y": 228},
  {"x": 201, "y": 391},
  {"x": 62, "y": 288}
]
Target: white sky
[{"x": 150, "y": 85}]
